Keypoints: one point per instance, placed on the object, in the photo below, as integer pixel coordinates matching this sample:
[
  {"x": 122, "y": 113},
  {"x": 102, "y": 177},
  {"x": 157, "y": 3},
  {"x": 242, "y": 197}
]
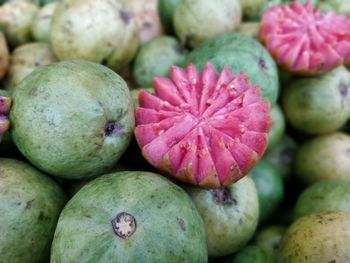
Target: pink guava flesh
[
  {"x": 203, "y": 128},
  {"x": 303, "y": 40},
  {"x": 5, "y": 104}
]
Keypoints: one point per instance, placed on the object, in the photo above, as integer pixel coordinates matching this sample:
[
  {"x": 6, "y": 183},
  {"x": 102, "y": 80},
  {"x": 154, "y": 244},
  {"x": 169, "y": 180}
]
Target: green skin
[
  {"x": 99, "y": 31},
  {"x": 155, "y": 58},
  {"x": 196, "y": 21},
  {"x": 278, "y": 126},
  {"x": 166, "y": 10},
  {"x": 318, "y": 237},
  {"x": 339, "y": 6},
  {"x": 41, "y": 25},
  {"x": 269, "y": 185},
  {"x": 270, "y": 237},
  {"x": 84, "y": 106},
  {"x": 30, "y": 206},
  {"x": 252, "y": 254},
  {"x": 281, "y": 156},
  {"x": 326, "y": 195},
  {"x": 15, "y": 21},
  {"x": 242, "y": 54},
  {"x": 230, "y": 215},
  {"x": 324, "y": 157},
  {"x": 168, "y": 226},
  {"x": 25, "y": 59},
  {"x": 304, "y": 101}
]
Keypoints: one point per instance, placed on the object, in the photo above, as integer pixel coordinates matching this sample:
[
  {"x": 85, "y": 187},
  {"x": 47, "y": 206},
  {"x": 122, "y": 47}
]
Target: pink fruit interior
[
  {"x": 204, "y": 128},
  {"x": 5, "y": 104},
  {"x": 305, "y": 41}
]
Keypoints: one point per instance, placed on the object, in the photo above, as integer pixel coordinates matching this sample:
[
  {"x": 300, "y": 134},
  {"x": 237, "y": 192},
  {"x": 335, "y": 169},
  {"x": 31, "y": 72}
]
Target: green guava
[
  {"x": 130, "y": 217},
  {"x": 41, "y": 25},
  {"x": 324, "y": 157},
  {"x": 278, "y": 126},
  {"x": 318, "y": 105},
  {"x": 101, "y": 31},
  {"x": 196, "y": 21},
  {"x": 230, "y": 215},
  {"x": 73, "y": 119},
  {"x": 25, "y": 59},
  {"x": 155, "y": 58},
  {"x": 30, "y": 204}
]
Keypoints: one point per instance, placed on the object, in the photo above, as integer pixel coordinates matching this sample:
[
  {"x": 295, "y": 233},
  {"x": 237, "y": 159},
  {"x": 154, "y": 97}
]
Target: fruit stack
[{"x": 174, "y": 131}]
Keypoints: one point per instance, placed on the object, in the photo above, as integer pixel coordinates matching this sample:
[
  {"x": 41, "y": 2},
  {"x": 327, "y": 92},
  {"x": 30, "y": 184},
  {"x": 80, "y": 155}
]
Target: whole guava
[
  {"x": 155, "y": 58},
  {"x": 317, "y": 237},
  {"x": 15, "y": 21},
  {"x": 230, "y": 215},
  {"x": 318, "y": 105},
  {"x": 30, "y": 204},
  {"x": 101, "y": 31},
  {"x": 278, "y": 126},
  {"x": 195, "y": 21},
  {"x": 325, "y": 195},
  {"x": 324, "y": 157},
  {"x": 41, "y": 25},
  {"x": 73, "y": 119},
  {"x": 130, "y": 217},
  {"x": 25, "y": 59}
]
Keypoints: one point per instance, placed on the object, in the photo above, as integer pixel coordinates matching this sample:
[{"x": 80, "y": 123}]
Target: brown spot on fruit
[
  {"x": 113, "y": 129},
  {"x": 29, "y": 204},
  {"x": 181, "y": 223},
  {"x": 223, "y": 197},
  {"x": 262, "y": 64},
  {"x": 124, "y": 225},
  {"x": 125, "y": 16}
]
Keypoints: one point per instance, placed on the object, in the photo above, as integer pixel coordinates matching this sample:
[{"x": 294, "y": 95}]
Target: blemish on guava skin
[
  {"x": 348, "y": 152},
  {"x": 181, "y": 223},
  {"x": 344, "y": 91},
  {"x": 124, "y": 225},
  {"x": 33, "y": 92},
  {"x": 223, "y": 197},
  {"x": 29, "y": 204},
  {"x": 113, "y": 129},
  {"x": 125, "y": 16},
  {"x": 179, "y": 49},
  {"x": 147, "y": 24},
  {"x": 262, "y": 64}
]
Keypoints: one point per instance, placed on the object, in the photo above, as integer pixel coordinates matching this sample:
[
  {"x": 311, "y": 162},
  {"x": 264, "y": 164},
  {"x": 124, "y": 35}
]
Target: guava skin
[
  {"x": 25, "y": 59},
  {"x": 196, "y": 21},
  {"x": 230, "y": 215},
  {"x": 278, "y": 125},
  {"x": 73, "y": 119},
  {"x": 304, "y": 101},
  {"x": 41, "y": 25},
  {"x": 253, "y": 254},
  {"x": 318, "y": 237},
  {"x": 4, "y": 56},
  {"x": 325, "y": 195},
  {"x": 324, "y": 157},
  {"x": 30, "y": 204},
  {"x": 164, "y": 225},
  {"x": 101, "y": 31}
]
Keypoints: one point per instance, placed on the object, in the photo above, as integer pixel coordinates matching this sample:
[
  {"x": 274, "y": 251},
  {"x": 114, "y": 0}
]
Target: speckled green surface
[
  {"x": 168, "y": 226},
  {"x": 59, "y": 117},
  {"x": 30, "y": 203}
]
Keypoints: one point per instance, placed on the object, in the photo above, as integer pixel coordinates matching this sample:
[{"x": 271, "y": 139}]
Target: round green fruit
[
  {"x": 155, "y": 58},
  {"x": 30, "y": 204},
  {"x": 15, "y": 21},
  {"x": 324, "y": 157},
  {"x": 99, "y": 31},
  {"x": 318, "y": 105},
  {"x": 281, "y": 156},
  {"x": 41, "y": 25},
  {"x": 166, "y": 10},
  {"x": 230, "y": 215},
  {"x": 72, "y": 119},
  {"x": 278, "y": 126},
  {"x": 270, "y": 237},
  {"x": 196, "y": 21},
  {"x": 318, "y": 237},
  {"x": 269, "y": 185},
  {"x": 326, "y": 195},
  {"x": 130, "y": 217},
  {"x": 242, "y": 54},
  {"x": 25, "y": 59}
]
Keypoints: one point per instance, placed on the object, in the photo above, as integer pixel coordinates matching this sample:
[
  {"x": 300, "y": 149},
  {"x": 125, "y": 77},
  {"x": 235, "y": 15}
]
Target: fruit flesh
[{"x": 204, "y": 129}]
